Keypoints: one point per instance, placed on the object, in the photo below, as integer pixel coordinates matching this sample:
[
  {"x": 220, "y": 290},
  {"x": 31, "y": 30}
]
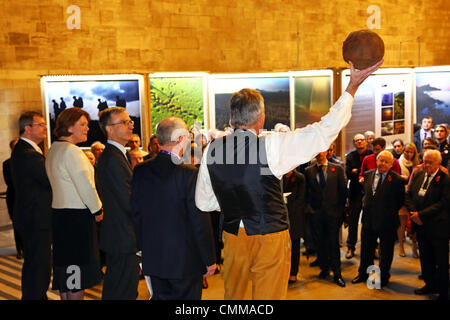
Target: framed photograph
[
  {"x": 312, "y": 95},
  {"x": 182, "y": 95},
  {"x": 274, "y": 87},
  {"x": 93, "y": 94},
  {"x": 432, "y": 94},
  {"x": 383, "y": 104}
]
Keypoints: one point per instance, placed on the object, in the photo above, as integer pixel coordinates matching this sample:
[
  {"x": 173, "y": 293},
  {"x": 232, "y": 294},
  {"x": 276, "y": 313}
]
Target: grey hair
[
  {"x": 435, "y": 153},
  {"x": 171, "y": 129},
  {"x": 245, "y": 105},
  {"x": 387, "y": 154}
]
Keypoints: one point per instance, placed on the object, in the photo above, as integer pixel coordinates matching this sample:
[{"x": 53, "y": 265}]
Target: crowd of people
[{"x": 231, "y": 202}]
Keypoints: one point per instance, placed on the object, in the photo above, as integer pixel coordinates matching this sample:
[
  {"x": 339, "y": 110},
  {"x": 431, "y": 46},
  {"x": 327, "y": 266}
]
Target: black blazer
[
  {"x": 176, "y": 238},
  {"x": 434, "y": 206},
  {"x": 331, "y": 199},
  {"x": 32, "y": 205},
  {"x": 296, "y": 184},
  {"x": 10, "y": 194},
  {"x": 380, "y": 210},
  {"x": 113, "y": 178},
  {"x": 353, "y": 162}
]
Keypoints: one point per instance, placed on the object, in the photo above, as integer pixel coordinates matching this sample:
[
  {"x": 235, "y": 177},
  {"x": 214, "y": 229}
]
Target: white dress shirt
[{"x": 285, "y": 151}]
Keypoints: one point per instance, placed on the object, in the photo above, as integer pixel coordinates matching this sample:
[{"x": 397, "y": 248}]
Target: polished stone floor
[{"x": 404, "y": 278}]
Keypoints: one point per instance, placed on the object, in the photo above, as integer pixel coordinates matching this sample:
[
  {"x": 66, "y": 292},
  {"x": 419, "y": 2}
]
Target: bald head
[
  {"x": 170, "y": 130},
  {"x": 360, "y": 142}
]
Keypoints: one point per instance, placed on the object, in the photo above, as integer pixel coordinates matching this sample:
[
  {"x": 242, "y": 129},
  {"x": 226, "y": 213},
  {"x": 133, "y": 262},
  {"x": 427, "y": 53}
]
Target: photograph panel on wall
[
  {"x": 432, "y": 87},
  {"x": 182, "y": 95},
  {"x": 313, "y": 95},
  {"x": 382, "y": 104},
  {"x": 93, "y": 94},
  {"x": 273, "y": 87}
]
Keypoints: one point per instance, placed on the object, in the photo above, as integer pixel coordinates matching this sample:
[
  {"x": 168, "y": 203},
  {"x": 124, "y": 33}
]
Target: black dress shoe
[
  {"x": 315, "y": 263},
  {"x": 339, "y": 281},
  {"x": 359, "y": 278},
  {"x": 291, "y": 281},
  {"x": 19, "y": 256},
  {"x": 324, "y": 274},
  {"x": 424, "y": 290},
  {"x": 350, "y": 254}
]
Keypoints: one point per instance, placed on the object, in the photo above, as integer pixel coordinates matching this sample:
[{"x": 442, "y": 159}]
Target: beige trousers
[{"x": 265, "y": 260}]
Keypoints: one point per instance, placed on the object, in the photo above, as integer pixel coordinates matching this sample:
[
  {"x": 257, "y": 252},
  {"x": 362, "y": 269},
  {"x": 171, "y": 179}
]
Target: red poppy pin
[
  {"x": 438, "y": 178},
  {"x": 389, "y": 178},
  {"x": 333, "y": 169},
  {"x": 293, "y": 179}
]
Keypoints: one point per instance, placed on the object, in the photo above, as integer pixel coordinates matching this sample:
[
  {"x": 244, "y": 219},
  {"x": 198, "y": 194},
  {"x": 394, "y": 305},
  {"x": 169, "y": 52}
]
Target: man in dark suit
[
  {"x": 428, "y": 200},
  {"x": 176, "y": 239},
  {"x": 384, "y": 195},
  {"x": 32, "y": 207},
  {"x": 352, "y": 169},
  {"x": 425, "y": 131},
  {"x": 10, "y": 198},
  {"x": 117, "y": 236},
  {"x": 294, "y": 183},
  {"x": 326, "y": 190}
]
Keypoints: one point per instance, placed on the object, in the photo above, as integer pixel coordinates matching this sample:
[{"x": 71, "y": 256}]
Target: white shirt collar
[
  {"x": 119, "y": 146},
  {"x": 33, "y": 144}
]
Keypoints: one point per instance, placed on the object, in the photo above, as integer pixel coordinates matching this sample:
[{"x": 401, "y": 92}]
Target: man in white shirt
[
  {"x": 32, "y": 205},
  {"x": 244, "y": 184}
]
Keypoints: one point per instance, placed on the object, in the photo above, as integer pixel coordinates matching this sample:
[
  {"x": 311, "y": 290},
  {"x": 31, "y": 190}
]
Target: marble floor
[{"x": 404, "y": 278}]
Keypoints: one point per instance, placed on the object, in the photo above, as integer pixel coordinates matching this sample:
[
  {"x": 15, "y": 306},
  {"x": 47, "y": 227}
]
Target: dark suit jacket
[
  {"x": 331, "y": 199},
  {"x": 434, "y": 206},
  {"x": 353, "y": 162},
  {"x": 113, "y": 179},
  {"x": 380, "y": 210},
  {"x": 175, "y": 237},
  {"x": 417, "y": 140},
  {"x": 296, "y": 184},
  {"x": 32, "y": 206},
  {"x": 10, "y": 194}
]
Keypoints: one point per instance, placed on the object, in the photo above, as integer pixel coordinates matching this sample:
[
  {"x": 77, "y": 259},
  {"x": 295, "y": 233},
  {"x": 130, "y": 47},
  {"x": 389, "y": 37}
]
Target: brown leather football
[{"x": 363, "y": 48}]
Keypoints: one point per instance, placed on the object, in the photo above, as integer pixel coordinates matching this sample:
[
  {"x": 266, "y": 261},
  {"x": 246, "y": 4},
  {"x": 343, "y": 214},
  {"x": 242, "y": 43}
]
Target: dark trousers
[
  {"x": 217, "y": 231},
  {"x": 434, "y": 262},
  {"x": 295, "y": 256},
  {"x": 121, "y": 277},
  {"x": 329, "y": 253},
  {"x": 368, "y": 245},
  {"x": 355, "y": 204},
  {"x": 37, "y": 264},
  {"x": 311, "y": 234},
  {"x": 177, "y": 289}
]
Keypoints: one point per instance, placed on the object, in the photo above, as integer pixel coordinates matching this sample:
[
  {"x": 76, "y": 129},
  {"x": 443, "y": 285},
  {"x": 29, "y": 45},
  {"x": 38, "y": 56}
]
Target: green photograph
[{"x": 180, "y": 97}]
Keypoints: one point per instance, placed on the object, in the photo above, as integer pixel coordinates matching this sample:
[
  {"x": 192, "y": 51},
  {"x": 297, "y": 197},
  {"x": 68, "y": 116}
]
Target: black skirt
[{"x": 76, "y": 260}]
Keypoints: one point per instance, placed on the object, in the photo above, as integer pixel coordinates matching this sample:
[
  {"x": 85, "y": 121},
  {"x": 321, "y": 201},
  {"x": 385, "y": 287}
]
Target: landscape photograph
[
  {"x": 177, "y": 96},
  {"x": 93, "y": 96},
  {"x": 312, "y": 99},
  {"x": 275, "y": 92}
]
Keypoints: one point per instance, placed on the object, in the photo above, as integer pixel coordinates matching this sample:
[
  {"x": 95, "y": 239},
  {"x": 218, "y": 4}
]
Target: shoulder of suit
[
  {"x": 188, "y": 167},
  {"x": 368, "y": 172}
]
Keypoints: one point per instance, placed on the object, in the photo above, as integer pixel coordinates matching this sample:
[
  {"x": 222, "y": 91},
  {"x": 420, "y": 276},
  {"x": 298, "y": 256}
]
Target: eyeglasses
[
  {"x": 124, "y": 122},
  {"x": 359, "y": 140},
  {"x": 42, "y": 125}
]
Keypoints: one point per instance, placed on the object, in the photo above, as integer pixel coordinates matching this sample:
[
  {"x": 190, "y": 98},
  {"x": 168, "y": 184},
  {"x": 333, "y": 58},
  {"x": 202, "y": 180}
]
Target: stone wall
[{"x": 137, "y": 36}]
